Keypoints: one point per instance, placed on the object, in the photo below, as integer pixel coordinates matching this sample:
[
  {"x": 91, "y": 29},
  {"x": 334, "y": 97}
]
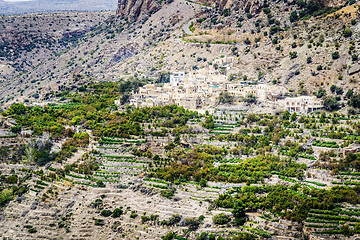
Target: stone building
[
  {"x": 302, "y": 104},
  {"x": 177, "y": 79}
]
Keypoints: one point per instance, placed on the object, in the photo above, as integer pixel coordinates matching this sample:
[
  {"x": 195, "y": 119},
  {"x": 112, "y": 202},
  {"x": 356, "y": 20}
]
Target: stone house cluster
[{"x": 200, "y": 88}]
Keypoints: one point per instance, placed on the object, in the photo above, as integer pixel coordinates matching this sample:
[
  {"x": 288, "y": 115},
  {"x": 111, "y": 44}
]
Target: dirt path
[{"x": 186, "y": 27}]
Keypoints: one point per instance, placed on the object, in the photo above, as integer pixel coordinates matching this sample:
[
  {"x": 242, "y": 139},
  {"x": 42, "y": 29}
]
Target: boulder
[{"x": 354, "y": 69}]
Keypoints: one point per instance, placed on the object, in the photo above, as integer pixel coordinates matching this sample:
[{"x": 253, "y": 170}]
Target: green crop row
[
  {"x": 320, "y": 226},
  {"x": 158, "y": 186},
  {"x": 307, "y": 156},
  {"x": 231, "y": 160},
  {"x": 108, "y": 147},
  {"x": 155, "y": 180},
  {"x": 310, "y": 220},
  {"x": 350, "y": 173},
  {"x": 317, "y": 184},
  {"x": 117, "y": 156},
  {"x": 329, "y": 144}
]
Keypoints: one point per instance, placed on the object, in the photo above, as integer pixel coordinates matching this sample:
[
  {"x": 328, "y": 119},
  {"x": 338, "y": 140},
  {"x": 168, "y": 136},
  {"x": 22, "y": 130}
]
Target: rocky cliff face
[
  {"x": 332, "y": 3},
  {"x": 134, "y": 9}
]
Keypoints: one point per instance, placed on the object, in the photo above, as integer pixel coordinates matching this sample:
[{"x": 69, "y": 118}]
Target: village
[{"x": 200, "y": 89}]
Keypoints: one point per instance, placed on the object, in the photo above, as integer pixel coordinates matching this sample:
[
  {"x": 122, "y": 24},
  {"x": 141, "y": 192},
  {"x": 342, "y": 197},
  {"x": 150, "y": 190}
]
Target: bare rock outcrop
[
  {"x": 125, "y": 52},
  {"x": 332, "y": 3},
  {"x": 134, "y": 9}
]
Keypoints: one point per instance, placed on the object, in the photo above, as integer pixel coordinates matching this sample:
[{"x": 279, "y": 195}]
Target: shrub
[
  {"x": 145, "y": 219},
  {"x": 32, "y": 230},
  {"x": 293, "y": 16},
  {"x": 97, "y": 203},
  {"x": 275, "y": 40},
  {"x": 226, "y": 12},
  {"x": 293, "y": 55},
  {"x": 171, "y": 221},
  {"x": 335, "y": 55},
  {"x": 347, "y": 32},
  {"x": 221, "y": 219},
  {"x": 133, "y": 214},
  {"x": 203, "y": 236},
  {"x": 99, "y": 222},
  {"x": 169, "y": 236},
  {"x": 106, "y": 213},
  {"x": 168, "y": 193},
  {"x": 193, "y": 223},
  {"x": 274, "y": 29},
  {"x": 100, "y": 184},
  {"x": 117, "y": 212}
]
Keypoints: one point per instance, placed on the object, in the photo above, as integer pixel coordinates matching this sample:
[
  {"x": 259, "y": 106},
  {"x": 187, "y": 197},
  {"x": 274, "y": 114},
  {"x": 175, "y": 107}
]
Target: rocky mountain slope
[{"x": 309, "y": 51}]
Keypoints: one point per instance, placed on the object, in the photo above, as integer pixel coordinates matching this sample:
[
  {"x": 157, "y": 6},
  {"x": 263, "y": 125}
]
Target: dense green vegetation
[
  {"x": 234, "y": 148},
  {"x": 293, "y": 203}
]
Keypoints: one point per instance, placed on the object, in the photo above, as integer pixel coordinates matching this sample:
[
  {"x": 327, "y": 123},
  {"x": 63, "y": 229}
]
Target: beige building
[
  {"x": 262, "y": 92},
  {"x": 302, "y": 104}
]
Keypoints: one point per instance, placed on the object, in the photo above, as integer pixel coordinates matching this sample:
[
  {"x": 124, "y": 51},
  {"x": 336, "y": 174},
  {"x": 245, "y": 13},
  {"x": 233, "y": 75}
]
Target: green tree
[
  {"x": 16, "y": 129},
  {"x": 169, "y": 236},
  {"x": 100, "y": 184},
  {"x": 221, "y": 219},
  {"x": 250, "y": 98},
  {"x": 333, "y": 88},
  {"x": 320, "y": 93},
  {"x": 203, "y": 236},
  {"x": 293, "y": 16},
  {"x": 330, "y": 103},
  {"x": 13, "y": 179},
  {"x": 4, "y": 152},
  {"x": 209, "y": 122},
  {"x": 225, "y": 97},
  {"x": 354, "y": 101},
  {"x": 239, "y": 213},
  {"x": 357, "y": 228},
  {"x": 349, "y": 93},
  {"x": 5, "y": 197},
  {"x": 286, "y": 115},
  {"x": 203, "y": 182}
]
